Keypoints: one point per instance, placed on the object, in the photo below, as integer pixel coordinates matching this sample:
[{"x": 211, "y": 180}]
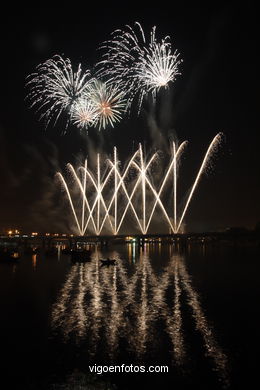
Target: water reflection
[
  {"x": 34, "y": 261},
  {"x": 127, "y": 302},
  {"x": 174, "y": 320},
  {"x": 211, "y": 346}
]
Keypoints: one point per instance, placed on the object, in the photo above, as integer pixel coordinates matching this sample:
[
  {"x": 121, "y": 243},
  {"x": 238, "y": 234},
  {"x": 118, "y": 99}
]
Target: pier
[{"x": 71, "y": 241}]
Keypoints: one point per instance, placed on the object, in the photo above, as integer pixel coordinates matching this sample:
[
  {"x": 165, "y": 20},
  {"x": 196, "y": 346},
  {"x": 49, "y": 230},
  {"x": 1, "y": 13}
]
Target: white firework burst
[
  {"x": 84, "y": 113},
  {"x": 139, "y": 67},
  {"x": 55, "y": 87},
  {"x": 157, "y": 67},
  {"x": 109, "y": 102}
]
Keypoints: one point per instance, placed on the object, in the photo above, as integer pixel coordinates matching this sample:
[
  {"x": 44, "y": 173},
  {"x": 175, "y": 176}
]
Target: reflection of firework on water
[
  {"x": 55, "y": 87},
  {"x": 109, "y": 102},
  {"x": 139, "y": 67},
  {"x": 101, "y": 306}
]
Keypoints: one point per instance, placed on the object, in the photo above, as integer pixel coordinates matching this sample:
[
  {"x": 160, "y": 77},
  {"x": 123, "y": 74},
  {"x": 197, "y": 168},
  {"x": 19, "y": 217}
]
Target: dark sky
[{"x": 216, "y": 92}]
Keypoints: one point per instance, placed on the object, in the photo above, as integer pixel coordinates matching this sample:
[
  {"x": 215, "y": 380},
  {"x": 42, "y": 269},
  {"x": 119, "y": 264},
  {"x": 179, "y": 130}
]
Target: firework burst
[
  {"x": 131, "y": 68},
  {"x": 84, "y": 113},
  {"x": 109, "y": 102},
  {"x": 138, "y": 66},
  {"x": 55, "y": 87}
]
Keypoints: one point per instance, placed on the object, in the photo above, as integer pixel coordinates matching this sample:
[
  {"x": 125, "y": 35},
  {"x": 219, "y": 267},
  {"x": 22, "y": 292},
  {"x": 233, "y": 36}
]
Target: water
[{"x": 194, "y": 311}]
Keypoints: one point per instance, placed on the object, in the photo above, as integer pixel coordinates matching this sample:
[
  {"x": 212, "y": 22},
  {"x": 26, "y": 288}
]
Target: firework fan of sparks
[
  {"x": 139, "y": 67},
  {"x": 55, "y": 87}
]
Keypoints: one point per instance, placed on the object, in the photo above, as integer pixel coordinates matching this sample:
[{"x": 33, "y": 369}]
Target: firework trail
[
  {"x": 210, "y": 151},
  {"x": 55, "y": 87},
  {"x": 139, "y": 67}
]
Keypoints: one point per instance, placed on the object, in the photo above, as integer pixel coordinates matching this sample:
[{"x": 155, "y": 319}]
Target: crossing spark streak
[{"x": 106, "y": 199}]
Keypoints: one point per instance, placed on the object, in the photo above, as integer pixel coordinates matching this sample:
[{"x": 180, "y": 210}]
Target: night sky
[{"x": 215, "y": 92}]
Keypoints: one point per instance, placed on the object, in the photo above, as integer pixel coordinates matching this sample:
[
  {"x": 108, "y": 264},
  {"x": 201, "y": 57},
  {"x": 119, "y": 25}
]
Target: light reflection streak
[
  {"x": 34, "y": 261},
  {"x": 174, "y": 320},
  {"x": 59, "y": 252},
  {"x": 142, "y": 311},
  {"x": 95, "y": 305},
  {"x": 60, "y": 306},
  {"x": 114, "y": 320},
  {"x": 77, "y": 320},
  {"x": 105, "y": 304},
  {"x": 212, "y": 349}
]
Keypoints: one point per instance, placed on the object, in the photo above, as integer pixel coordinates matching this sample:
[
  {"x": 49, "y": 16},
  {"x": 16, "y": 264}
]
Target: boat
[
  {"x": 108, "y": 261},
  {"x": 80, "y": 256}
]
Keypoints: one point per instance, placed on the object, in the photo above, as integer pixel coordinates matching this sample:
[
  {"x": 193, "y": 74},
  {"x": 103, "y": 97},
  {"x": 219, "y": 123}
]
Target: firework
[
  {"x": 141, "y": 196},
  {"x": 139, "y": 67},
  {"x": 55, "y": 87},
  {"x": 130, "y": 67},
  {"x": 109, "y": 102},
  {"x": 84, "y": 113}
]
